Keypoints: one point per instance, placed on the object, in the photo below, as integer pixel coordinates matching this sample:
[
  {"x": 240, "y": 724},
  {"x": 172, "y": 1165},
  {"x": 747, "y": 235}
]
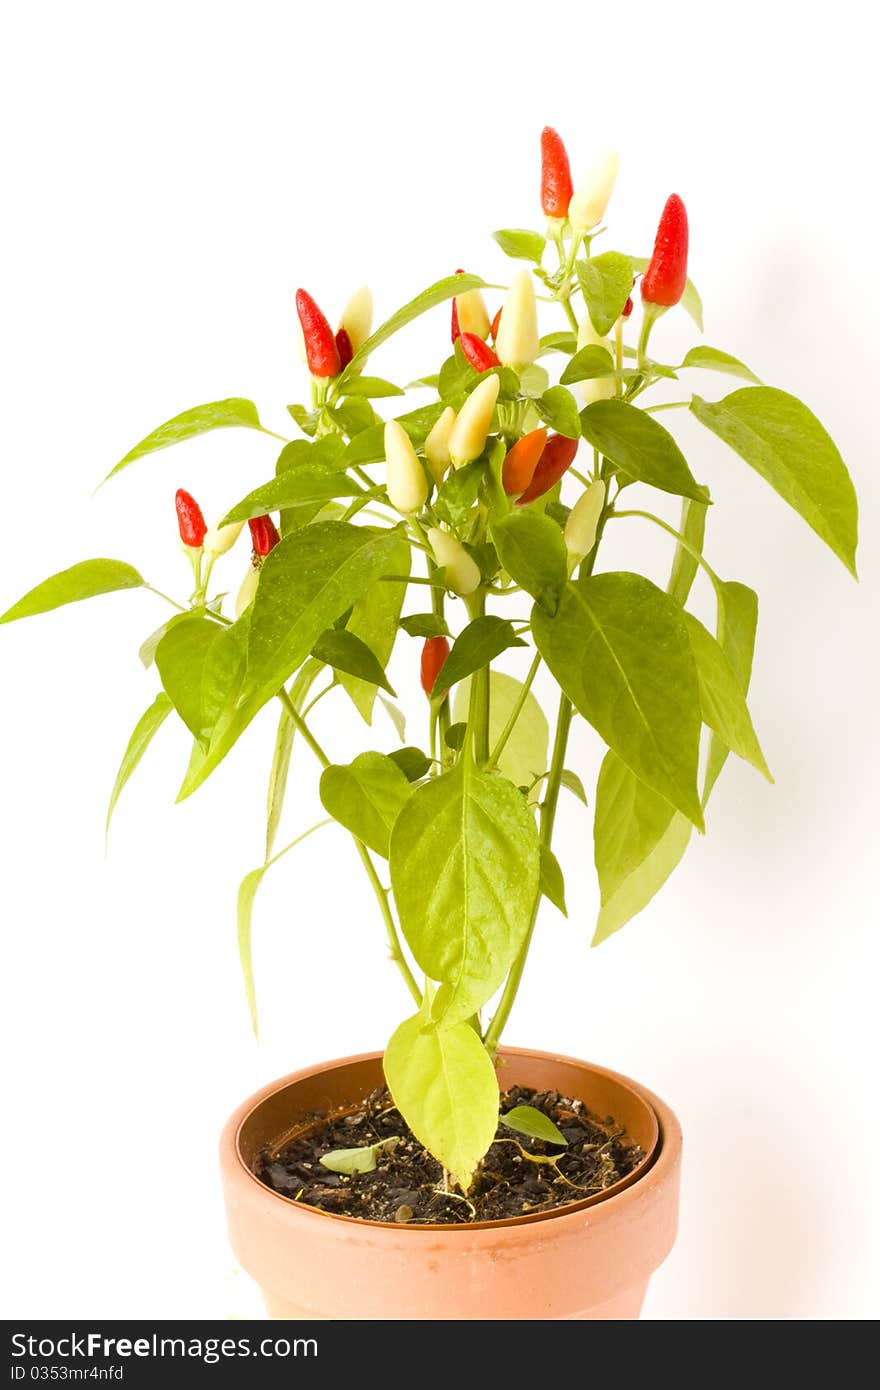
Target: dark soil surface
[{"x": 514, "y": 1179}]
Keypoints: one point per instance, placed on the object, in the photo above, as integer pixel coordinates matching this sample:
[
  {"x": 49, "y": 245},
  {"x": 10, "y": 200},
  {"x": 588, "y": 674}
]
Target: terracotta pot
[{"x": 592, "y": 1259}]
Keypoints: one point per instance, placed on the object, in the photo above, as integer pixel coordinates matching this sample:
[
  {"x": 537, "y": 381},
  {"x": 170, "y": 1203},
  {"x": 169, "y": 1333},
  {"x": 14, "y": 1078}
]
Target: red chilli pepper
[
  {"x": 496, "y": 324},
  {"x": 322, "y": 353},
  {"x": 519, "y": 466},
  {"x": 556, "y": 184},
  {"x": 455, "y": 330},
  {"x": 264, "y": 534},
  {"x": 478, "y": 353},
  {"x": 557, "y": 458},
  {"x": 190, "y": 522},
  {"x": 627, "y": 308},
  {"x": 434, "y": 653},
  {"x": 664, "y": 281},
  {"x": 344, "y": 347}
]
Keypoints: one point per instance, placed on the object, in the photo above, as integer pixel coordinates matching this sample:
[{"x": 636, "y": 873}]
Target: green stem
[
  {"x": 380, "y": 894},
  {"x": 478, "y": 709},
  {"x": 667, "y": 405},
  {"x": 174, "y": 604},
  {"x": 683, "y": 542},
  {"x": 548, "y": 817},
  {"x": 515, "y": 712}
]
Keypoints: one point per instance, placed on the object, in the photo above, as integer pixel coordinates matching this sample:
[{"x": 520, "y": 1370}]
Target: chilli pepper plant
[{"x": 462, "y": 529}]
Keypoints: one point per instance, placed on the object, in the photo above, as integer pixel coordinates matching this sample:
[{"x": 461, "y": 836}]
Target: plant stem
[
  {"x": 548, "y": 817},
  {"x": 440, "y": 715},
  {"x": 478, "y": 710},
  {"x": 666, "y": 405},
  {"x": 683, "y": 542},
  {"x": 515, "y": 712},
  {"x": 174, "y": 604},
  {"x": 381, "y": 896}
]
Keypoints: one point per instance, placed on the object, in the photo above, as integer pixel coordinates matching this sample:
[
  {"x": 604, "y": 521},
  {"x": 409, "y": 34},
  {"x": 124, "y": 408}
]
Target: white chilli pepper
[
  {"x": 219, "y": 539},
  {"x": 518, "y": 344},
  {"x": 472, "y": 314},
  {"x": 593, "y": 193},
  {"x": 583, "y": 521},
  {"x": 247, "y": 592},
  {"x": 467, "y": 438},
  {"x": 461, "y": 571},
  {"x": 437, "y": 444},
  {"x": 405, "y": 477}
]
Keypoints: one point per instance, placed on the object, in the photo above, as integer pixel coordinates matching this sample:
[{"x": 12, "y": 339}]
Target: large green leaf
[
  {"x": 478, "y": 644},
  {"x": 618, "y": 646},
  {"x": 558, "y": 408},
  {"x": 784, "y": 442},
  {"x": 444, "y": 1085},
  {"x": 295, "y": 488},
  {"x": 366, "y": 796},
  {"x": 713, "y": 360},
  {"x": 721, "y": 698},
  {"x": 524, "y": 756},
  {"x": 217, "y": 415},
  {"x": 685, "y": 563},
  {"x": 280, "y": 769},
  {"x": 464, "y": 869},
  {"x": 85, "y": 580},
  {"x": 639, "y": 838},
  {"x": 147, "y": 726},
  {"x": 588, "y": 363},
  {"x": 736, "y": 631},
  {"x": 639, "y": 447},
  {"x": 606, "y": 282},
  {"x": 374, "y": 619},
  {"x": 182, "y": 661},
  {"x": 437, "y": 293},
  {"x": 531, "y": 548}
]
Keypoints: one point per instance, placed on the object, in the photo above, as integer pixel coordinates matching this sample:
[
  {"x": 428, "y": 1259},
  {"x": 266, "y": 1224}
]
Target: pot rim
[{"x": 661, "y": 1154}]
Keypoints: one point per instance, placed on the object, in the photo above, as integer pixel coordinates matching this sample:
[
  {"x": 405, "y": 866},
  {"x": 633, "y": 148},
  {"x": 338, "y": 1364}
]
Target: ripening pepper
[
  {"x": 517, "y": 343},
  {"x": 583, "y": 520},
  {"x": 434, "y": 653},
  {"x": 219, "y": 539},
  {"x": 556, "y": 185},
  {"x": 264, "y": 534},
  {"x": 437, "y": 445},
  {"x": 519, "y": 466},
  {"x": 664, "y": 281},
  {"x": 495, "y": 326},
  {"x": 462, "y": 573},
  {"x": 587, "y": 207},
  {"x": 467, "y": 438},
  {"x": 599, "y": 388},
  {"x": 627, "y": 308},
  {"x": 469, "y": 314},
  {"x": 478, "y": 352},
  {"x": 557, "y": 458},
  {"x": 322, "y": 353},
  {"x": 405, "y": 478},
  {"x": 190, "y": 522},
  {"x": 246, "y": 593},
  {"x": 355, "y": 324}
]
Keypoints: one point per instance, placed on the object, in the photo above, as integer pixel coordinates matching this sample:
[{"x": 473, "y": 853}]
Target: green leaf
[
  {"x": 413, "y": 763},
  {"x": 527, "y": 1119},
  {"x": 533, "y": 380},
  {"x": 341, "y": 649},
  {"x": 716, "y": 361},
  {"x": 573, "y": 784},
  {"x": 619, "y": 648},
  {"x": 354, "y": 414},
  {"x": 737, "y": 628},
  {"x": 419, "y": 423},
  {"x": 464, "y": 869},
  {"x": 437, "y": 293},
  {"x": 455, "y": 736},
  {"x": 424, "y": 624},
  {"x": 368, "y": 447},
  {"x": 321, "y": 453},
  {"x": 588, "y": 363},
  {"x": 280, "y": 768},
  {"x": 360, "y": 1160},
  {"x": 784, "y": 442},
  {"x": 521, "y": 245},
  {"x": 306, "y": 419},
  {"x": 147, "y": 649},
  {"x": 639, "y": 839},
  {"x": 721, "y": 698},
  {"x": 690, "y": 300},
  {"x": 247, "y": 892},
  {"x": 458, "y": 493},
  {"x": 559, "y": 408},
  {"x": 524, "y": 756},
  {"x": 217, "y": 415},
  {"x": 479, "y": 644},
  {"x": 374, "y": 619},
  {"x": 366, "y": 797},
  {"x": 188, "y": 678},
  {"x": 640, "y": 448},
  {"x": 444, "y": 1085},
  {"x": 531, "y": 548},
  {"x": 685, "y": 563},
  {"x": 552, "y": 880},
  {"x": 85, "y": 580},
  {"x": 298, "y": 487},
  {"x": 147, "y": 726},
  {"x": 372, "y": 386},
  {"x": 559, "y": 342},
  {"x": 396, "y": 716},
  {"x": 606, "y": 282}
]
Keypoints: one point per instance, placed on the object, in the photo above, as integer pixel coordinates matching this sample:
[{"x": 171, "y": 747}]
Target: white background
[{"x": 172, "y": 172}]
